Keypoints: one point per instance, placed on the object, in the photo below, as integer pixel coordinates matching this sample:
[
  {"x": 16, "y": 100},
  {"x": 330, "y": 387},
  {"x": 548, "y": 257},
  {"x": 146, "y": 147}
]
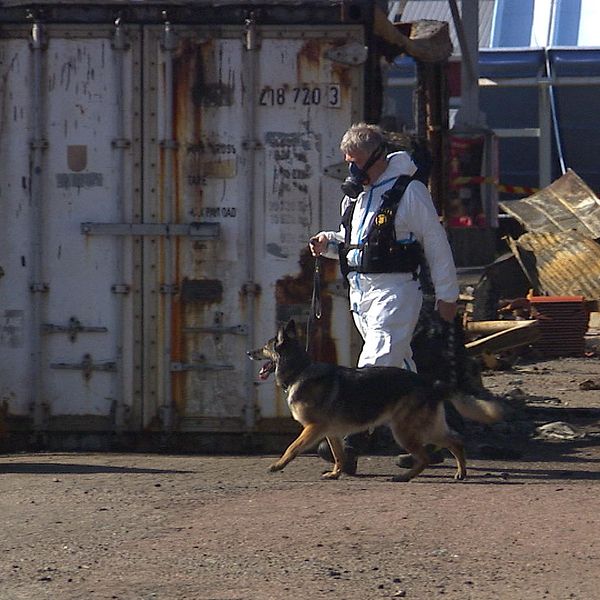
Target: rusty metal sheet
[
  {"x": 568, "y": 263},
  {"x": 566, "y": 204},
  {"x": 563, "y": 321}
]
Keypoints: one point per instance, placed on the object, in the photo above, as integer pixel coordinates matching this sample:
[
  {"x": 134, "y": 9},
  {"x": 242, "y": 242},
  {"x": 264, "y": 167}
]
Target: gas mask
[{"x": 353, "y": 184}]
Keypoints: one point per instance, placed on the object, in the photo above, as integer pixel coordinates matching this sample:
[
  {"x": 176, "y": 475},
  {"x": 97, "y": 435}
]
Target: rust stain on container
[
  {"x": 343, "y": 76},
  {"x": 188, "y": 118},
  {"x": 310, "y": 52},
  {"x": 293, "y": 298},
  {"x": 308, "y": 63}
]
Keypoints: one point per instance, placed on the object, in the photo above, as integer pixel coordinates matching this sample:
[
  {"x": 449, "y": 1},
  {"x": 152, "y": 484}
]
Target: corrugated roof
[
  {"x": 439, "y": 10},
  {"x": 567, "y": 262},
  {"x": 566, "y": 204}
]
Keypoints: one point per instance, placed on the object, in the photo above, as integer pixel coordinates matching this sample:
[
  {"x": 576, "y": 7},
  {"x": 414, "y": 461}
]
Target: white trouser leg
[{"x": 386, "y": 317}]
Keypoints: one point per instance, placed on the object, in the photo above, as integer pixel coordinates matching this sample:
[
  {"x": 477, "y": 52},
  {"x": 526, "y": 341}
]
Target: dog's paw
[
  {"x": 458, "y": 476},
  {"x": 275, "y": 467},
  {"x": 402, "y": 478},
  {"x": 331, "y": 475}
]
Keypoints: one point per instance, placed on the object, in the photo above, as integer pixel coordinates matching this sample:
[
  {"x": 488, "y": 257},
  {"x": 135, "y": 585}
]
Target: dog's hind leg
[
  {"x": 412, "y": 445},
  {"x": 445, "y": 437},
  {"x": 337, "y": 449},
  {"x": 455, "y": 445},
  {"x": 309, "y": 436}
]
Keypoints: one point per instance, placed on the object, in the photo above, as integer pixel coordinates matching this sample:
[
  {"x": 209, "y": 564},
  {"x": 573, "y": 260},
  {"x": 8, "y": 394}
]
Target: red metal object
[{"x": 563, "y": 321}]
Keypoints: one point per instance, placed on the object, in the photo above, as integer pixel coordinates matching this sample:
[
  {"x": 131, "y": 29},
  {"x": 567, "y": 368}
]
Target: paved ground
[{"x": 133, "y": 526}]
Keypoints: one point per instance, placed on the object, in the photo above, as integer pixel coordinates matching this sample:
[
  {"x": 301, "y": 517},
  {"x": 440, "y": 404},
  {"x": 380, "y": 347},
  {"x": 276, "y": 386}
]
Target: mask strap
[{"x": 375, "y": 155}]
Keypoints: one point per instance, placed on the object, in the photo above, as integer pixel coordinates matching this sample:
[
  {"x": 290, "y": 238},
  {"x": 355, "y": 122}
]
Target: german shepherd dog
[{"x": 331, "y": 401}]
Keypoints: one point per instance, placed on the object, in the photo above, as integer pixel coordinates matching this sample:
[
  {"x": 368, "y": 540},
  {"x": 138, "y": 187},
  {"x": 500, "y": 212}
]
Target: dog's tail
[{"x": 476, "y": 409}]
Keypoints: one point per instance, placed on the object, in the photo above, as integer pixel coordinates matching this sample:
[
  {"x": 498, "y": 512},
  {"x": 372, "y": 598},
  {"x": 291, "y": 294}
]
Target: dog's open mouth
[{"x": 266, "y": 369}]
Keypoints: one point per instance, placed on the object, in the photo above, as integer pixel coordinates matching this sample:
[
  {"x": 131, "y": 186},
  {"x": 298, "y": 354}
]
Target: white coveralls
[{"x": 386, "y": 306}]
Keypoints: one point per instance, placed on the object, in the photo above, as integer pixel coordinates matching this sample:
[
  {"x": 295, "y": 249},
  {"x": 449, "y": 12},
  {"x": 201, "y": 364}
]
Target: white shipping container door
[
  {"x": 15, "y": 224},
  {"x": 84, "y": 284},
  {"x": 307, "y": 98},
  {"x": 239, "y": 138}
]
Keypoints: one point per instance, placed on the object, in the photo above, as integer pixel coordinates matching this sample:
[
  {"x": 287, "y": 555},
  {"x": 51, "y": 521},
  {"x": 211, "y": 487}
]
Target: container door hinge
[
  {"x": 38, "y": 144},
  {"x": 250, "y": 289},
  {"x": 352, "y": 53},
  {"x": 122, "y": 143},
  {"x": 40, "y": 288},
  {"x": 72, "y": 329},
  {"x": 87, "y": 365},
  {"x": 169, "y": 288},
  {"x": 120, "y": 288}
]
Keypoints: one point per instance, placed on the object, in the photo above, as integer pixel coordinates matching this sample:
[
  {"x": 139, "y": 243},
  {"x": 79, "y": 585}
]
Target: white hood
[{"x": 399, "y": 163}]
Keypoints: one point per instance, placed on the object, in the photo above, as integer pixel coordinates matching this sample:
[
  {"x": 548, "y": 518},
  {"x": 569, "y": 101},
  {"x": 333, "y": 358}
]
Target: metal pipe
[
  {"x": 462, "y": 39},
  {"x": 37, "y": 287},
  {"x": 169, "y": 146},
  {"x": 554, "y": 114},
  {"x": 250, "y": 145},
  {"x": 545, "y": 139},
  {"x": 512, "y": 82},
  {"x": 120, "y": 144}
]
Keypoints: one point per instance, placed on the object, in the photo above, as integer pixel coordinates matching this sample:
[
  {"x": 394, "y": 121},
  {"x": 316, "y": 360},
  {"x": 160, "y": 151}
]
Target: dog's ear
[
  {"x": 286, "y": 331},
  {"x": 280, "y": 335},
  {"x": 290, "y": 329}
]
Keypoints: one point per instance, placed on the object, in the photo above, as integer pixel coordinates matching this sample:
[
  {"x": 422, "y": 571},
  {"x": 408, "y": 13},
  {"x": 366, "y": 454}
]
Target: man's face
[{"x": 359, "y": 158}]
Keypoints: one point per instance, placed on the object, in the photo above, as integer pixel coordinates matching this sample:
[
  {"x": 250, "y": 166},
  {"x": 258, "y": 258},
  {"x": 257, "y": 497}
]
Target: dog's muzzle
[{"x": 266, "y": 370}]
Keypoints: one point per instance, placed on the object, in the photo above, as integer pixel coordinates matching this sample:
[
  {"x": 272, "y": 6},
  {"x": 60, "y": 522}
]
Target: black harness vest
[{"x": 381, "y": 252}]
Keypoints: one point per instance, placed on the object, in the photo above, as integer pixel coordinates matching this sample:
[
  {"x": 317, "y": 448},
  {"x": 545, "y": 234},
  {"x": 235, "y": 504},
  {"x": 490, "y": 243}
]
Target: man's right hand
[{"x": 318, "y": 244}]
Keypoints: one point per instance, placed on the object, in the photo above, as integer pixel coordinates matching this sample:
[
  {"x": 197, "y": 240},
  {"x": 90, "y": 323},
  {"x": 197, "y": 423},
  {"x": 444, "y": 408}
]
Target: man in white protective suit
[{"x": 388, "y": 226}]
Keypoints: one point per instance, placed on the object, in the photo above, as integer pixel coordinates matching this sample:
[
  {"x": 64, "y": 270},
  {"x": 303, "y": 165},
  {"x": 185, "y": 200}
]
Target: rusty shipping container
[{"x": 162, "y": 167}]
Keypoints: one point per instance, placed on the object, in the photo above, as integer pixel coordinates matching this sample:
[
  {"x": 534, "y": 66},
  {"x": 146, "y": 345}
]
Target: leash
[{"x": 315, "y": 303}]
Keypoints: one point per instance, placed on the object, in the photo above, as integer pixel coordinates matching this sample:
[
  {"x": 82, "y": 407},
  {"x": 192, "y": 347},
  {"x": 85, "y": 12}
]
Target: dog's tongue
[{"x": 266, "y": 369}]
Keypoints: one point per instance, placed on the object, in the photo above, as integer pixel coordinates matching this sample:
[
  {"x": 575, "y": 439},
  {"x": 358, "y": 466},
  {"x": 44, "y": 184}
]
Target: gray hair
[{"x": 362, "y": 136}]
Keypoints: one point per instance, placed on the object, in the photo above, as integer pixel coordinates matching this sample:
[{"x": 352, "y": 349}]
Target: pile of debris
[{"x": 540, "y": 295}]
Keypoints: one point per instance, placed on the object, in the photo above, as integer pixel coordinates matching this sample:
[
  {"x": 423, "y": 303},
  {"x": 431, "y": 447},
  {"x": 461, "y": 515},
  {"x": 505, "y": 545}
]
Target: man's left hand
[{"x": 447, "y": 310}]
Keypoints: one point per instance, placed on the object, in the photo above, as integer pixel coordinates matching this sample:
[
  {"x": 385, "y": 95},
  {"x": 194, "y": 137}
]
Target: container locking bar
[
  {"x": 218, "y": 330},
  {"x": 195, "y": 231},
  {"x": 178, "y": 367},
  {"x": 87, "y": 365},
  {"x": 72, "y": 329}
]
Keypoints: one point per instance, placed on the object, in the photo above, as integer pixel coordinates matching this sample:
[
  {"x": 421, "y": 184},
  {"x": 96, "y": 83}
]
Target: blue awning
[
  {"x": 575, "y": 62},
  {"x": 502, "y": 63}
]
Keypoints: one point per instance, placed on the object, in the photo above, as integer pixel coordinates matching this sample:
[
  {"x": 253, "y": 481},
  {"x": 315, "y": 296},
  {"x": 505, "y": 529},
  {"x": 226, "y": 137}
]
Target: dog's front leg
[
  {"x": 337, "y": 449},
  {"x": 310, "y": 435}
]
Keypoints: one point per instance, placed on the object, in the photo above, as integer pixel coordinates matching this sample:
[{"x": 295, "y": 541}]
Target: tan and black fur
[{"x": 331, "y": 401}]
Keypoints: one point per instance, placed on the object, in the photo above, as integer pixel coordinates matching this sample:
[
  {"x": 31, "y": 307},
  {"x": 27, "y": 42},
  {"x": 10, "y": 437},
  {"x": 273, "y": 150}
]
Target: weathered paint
[{"x": 303, "y": 102}]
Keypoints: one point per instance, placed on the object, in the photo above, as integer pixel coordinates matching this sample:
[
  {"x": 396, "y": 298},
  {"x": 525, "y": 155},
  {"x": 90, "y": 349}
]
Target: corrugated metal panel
[
  {"x": 565, "y": 205},
  {"x": 568, "y": 263},
  {"x": 439, "y": 10},
  {"x": 562, "y": 323}
]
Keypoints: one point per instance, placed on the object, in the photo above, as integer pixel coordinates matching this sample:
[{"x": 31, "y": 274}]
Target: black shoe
[
  {"x": 406, "y": 461},
  {"x": 324, "y": 451},
  {"x": 350, "y": 462}
]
